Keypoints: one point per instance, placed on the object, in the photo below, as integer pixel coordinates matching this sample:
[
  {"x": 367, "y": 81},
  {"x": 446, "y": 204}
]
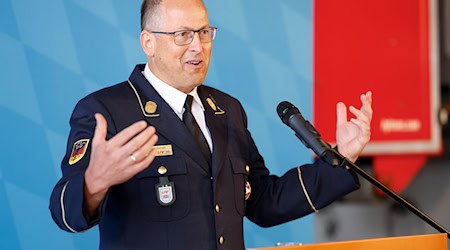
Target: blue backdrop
[{"x": 52, "y": 53}]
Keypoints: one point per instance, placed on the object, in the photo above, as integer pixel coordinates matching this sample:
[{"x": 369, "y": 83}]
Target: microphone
[
  {"x": 308, "y": 135},
  {"x": 291, "y": 116}
]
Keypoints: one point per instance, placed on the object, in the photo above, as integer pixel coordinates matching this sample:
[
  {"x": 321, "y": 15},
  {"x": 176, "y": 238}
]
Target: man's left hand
[{"x": 353, "y": 135}]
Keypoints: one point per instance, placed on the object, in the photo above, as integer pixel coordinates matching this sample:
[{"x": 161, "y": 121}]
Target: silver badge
[{"x": 165, "y": 192}]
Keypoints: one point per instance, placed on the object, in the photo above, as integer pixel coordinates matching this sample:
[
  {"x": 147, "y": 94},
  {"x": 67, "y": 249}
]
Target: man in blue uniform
[{"x": 161, "y": 161}]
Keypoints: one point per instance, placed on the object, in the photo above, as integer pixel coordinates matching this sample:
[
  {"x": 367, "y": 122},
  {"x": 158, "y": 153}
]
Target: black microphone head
[{"x": 285, "y": 110}]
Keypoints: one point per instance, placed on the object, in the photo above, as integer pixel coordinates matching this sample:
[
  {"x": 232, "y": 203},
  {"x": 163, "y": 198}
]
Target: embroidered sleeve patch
[{"x": 78, "y": 151}]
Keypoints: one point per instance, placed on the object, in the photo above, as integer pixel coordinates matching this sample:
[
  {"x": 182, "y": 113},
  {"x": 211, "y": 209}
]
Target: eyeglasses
[{"x": 185, "y": 37}]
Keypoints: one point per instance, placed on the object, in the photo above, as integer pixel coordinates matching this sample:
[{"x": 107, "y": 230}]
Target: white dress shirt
[{"x": 176, "y": 100}]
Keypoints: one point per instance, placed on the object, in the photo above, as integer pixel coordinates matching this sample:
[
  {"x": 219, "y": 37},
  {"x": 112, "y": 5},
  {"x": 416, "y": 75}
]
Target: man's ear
[{"x": 147, "y": 40}]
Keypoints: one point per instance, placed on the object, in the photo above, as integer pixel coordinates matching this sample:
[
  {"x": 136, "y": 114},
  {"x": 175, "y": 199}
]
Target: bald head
[{"x": 151, "y": 12}]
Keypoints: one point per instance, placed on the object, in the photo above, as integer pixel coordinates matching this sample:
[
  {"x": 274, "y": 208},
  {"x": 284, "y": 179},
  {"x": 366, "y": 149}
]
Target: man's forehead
[{"x": 184, "y": 16}]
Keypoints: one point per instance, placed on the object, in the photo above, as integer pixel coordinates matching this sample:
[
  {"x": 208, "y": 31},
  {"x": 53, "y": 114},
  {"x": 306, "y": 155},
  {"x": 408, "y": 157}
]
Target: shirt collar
[{"x": 171, "y": 95}]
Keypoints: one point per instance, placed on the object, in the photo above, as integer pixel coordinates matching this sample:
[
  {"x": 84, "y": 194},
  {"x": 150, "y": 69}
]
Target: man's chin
[{"x": 197, "y": 81}]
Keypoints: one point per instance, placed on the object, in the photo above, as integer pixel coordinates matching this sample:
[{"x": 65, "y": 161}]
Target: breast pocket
[
  {"x": 240, "y": 177},
  {"x": 174, "y": 168}
]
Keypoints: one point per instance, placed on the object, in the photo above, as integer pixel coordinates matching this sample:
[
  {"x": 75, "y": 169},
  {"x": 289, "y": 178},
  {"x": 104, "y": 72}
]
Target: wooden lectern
[{"x": 418, "y": 242}]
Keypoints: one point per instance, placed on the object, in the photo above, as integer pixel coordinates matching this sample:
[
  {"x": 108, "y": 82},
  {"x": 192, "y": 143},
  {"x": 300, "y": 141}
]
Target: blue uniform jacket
[{"x": 209, "y": 207}]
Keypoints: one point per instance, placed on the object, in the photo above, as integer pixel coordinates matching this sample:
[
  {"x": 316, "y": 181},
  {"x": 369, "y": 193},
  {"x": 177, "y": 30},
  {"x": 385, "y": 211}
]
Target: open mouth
[{"x": 194, "y": 62}]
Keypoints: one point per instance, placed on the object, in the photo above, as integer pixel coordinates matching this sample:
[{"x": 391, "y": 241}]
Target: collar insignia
[
  {"x": 212, "y": 103},
  {"x": 150, "y": 107}
]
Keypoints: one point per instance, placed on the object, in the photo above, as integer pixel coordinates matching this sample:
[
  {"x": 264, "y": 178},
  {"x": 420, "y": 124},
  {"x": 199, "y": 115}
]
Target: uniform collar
[{"x": 171, "y": 95}]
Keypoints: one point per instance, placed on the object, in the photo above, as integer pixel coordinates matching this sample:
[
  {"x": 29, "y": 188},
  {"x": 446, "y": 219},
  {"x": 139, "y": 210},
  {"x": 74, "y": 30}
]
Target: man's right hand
[{"x": 116, "y": 160}]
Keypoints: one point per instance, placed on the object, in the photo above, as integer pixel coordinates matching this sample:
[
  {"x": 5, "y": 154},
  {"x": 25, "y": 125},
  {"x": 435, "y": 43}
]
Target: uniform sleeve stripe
[
  {"x": 305, "y": 191},
  {"x": 63, "y": 213}
]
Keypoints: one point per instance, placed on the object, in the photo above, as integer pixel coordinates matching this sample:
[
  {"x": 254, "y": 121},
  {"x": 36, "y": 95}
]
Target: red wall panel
[{"x": 388, "y": 47}]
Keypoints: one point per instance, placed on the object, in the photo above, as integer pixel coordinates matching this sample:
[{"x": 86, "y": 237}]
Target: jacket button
[
  {"x": 247, "y": 168},
  {"x": 162, "y": 170},
  {"x": 221, "y": 240},
  {"x": 217, "y": 208}
]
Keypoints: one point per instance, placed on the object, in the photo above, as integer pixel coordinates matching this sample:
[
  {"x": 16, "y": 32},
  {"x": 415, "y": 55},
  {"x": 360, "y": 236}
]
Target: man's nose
[{"x": 196, "y": 44}]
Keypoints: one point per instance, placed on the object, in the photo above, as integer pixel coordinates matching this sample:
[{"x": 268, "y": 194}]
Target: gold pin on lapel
[
  {"x": 150, "y": 107},
  {"x": 212, "y": 103}
]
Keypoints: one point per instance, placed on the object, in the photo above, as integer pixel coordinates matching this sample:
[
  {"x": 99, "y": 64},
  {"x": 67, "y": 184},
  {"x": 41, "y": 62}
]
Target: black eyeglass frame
[{"x": 173, "y": 33}]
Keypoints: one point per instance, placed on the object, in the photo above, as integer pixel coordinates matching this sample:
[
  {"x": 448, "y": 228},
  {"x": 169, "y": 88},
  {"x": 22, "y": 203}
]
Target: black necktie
[{"x": 195, "y": 130}]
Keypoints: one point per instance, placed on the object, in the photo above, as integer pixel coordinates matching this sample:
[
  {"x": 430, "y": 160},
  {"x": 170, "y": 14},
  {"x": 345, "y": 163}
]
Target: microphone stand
[{"x": 345, "y": 162}]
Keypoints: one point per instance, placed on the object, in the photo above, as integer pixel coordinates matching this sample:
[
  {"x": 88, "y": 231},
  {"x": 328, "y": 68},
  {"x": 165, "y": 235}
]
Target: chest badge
[
  {"x": 248, "y": 190},
  {"x": 165, "y": 189}
]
